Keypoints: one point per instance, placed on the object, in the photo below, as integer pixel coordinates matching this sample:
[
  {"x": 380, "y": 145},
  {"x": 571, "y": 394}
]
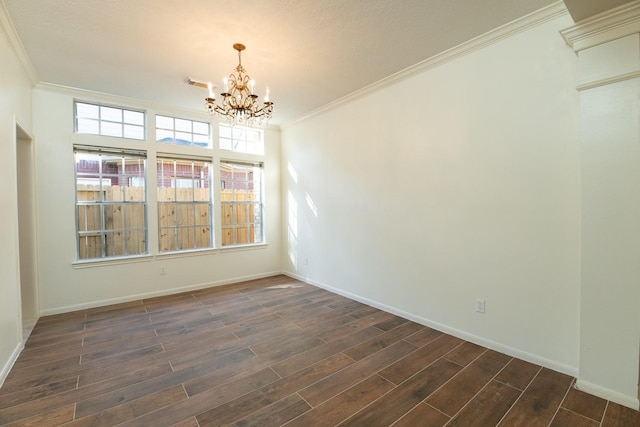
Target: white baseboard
[
  {"x": 161, "y": 293},
  {"x": 9, "y": 364},
  {"x": 493, "y": 345},
  {"x": 605, "y": 393}
]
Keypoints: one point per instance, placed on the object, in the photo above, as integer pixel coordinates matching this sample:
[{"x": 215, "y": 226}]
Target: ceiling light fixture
[{"x": 239, "y": 103}]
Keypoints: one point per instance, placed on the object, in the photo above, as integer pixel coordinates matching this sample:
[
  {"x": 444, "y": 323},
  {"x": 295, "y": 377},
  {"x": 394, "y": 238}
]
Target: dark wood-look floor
[{"x": 277, "y": 352}]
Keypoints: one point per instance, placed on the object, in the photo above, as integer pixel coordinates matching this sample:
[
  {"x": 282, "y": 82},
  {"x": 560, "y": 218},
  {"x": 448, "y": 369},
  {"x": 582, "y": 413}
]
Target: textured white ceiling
[{"x": 309, "y": 52}]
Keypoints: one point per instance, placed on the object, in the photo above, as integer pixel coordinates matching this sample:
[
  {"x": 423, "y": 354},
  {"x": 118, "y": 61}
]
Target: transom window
[
  {"x": 241, "y": 203},
  {"x": 109, "y": 121},
  {"x": 111, "y": 203},
  {"x": 184, "y": 204},
  {"x": 172, "y": 130},
  {"x": 241, "y": 139}
]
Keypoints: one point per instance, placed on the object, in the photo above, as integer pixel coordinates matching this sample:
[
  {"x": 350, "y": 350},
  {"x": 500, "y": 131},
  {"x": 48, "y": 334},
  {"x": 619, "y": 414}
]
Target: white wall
[
  {"x": 459, "y": 182},
  {"x": 66, "y": 285},
  {"x": 15, "y": 108}
]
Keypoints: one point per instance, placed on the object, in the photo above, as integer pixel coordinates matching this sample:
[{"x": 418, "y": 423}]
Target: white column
[{"x": 608, "y": 48}]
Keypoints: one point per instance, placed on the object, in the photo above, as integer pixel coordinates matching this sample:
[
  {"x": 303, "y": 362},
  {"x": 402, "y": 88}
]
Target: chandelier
[{"x": 238, "y": 103}]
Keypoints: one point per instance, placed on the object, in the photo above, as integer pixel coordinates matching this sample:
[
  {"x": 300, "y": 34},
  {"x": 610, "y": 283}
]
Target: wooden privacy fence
[{"x": 182, "y": 225}]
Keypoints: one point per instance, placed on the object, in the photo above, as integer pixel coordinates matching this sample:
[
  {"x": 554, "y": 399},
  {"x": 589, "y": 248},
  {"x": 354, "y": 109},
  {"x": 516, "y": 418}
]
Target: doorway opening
[{"x": 25, "y": 178}]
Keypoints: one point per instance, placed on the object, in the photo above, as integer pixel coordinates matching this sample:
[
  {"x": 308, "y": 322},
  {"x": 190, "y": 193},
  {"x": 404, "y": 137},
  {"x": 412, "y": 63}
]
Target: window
[
  {"x": 242, "y": 203},
  {"x": 184, "y": 204},
  {"x": 241, "y": 139},
  {"x": 180, "y": 131},
  {"x": 109, "y": 121},
  {"x": 111, "y": 207}
]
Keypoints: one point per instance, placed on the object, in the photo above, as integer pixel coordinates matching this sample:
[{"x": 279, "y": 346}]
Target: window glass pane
[
  {"x": 164, "y": 135},
  {"x": 183, "y": 138},
  {"x": 111, "y": 114},
  {"x": 87, "y": 111},
  {"x": 134, "y": 117},
  {"x": 164, "y": 122},
  {"x": 88, "y": 126},
  {"x": 201, "y": 128},
  {"x": 111, "y": 129},
  {"x": 183, "y": 125},
  {"x": 133, "y": 132},
  {"x": 225, "y": 144},
  {"x": 201, "y": 140}
]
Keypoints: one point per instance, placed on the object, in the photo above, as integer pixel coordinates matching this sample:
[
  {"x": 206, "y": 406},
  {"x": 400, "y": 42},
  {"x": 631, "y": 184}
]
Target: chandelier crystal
[{"x": 239, "y": 104}]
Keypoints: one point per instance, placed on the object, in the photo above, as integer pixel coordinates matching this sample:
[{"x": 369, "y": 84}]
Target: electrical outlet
[
  {"x": 163, "y": 271},
  {"x": 480, "y": 305}
]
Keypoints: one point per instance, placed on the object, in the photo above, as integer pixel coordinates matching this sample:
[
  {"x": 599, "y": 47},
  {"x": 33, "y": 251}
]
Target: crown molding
[
  {"x": 505, "y": 31},
  {"x": 7, "y": 28},
  {"x": 604, "y": 27}
]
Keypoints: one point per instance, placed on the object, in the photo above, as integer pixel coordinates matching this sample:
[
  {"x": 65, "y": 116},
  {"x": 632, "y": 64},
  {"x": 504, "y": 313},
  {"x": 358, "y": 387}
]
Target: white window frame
[
  {"x": 170, "y": 237},
  {"x": 179, "y": 129},
  {"x": 229, "y": 209},
  {"x": 239, "y": 139},
  {"x": 86, "y": 230},
  {"x": 131, "y": 123}
]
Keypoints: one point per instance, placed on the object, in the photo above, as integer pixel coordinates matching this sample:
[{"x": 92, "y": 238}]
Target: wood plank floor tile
[
  {"x": 124, "y": 394},
  {"x": 566, "y": 418},
  {"x": 539, "y": 402},
  {"x": 35, "y": 393},
  {"x": 131, "y": 409},
  {"x": 382, "y": 341},
  {"x": 414, "y": 362},
  {"x": 619, "y": 416},
  {"x": 342, "y": 406},
  {"x": 423, "y": 415},
  {"x": 424, "y": 337},
  {"x": 275, "y": 414},
  {"x": 309, "y": 357},
  {"x": 518, "y": 374},
  {"x": 202, "y": 402},
  {"x": 451, "y": 397},
  {"x": 488, "y": 407},
  {"x": 402, "y": 399},
  {"x": 585, "y": 404},
  {"x": 465, "y": 353},
  {"x": 267, "y": 395},
  {"x": 361, "y": 323},
  {"x": 325, "y": 389},
  {"x": 54, "y": 417}
]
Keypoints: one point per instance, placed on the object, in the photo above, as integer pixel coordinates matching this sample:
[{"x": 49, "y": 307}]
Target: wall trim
[
  {"x": 7, "y": 28},
  {"x": 165, "y": 292},
  {"x": 605, "y": 393},
  {"x": 609, "y": 80},
  {"x": 10, "y": 362},
  {"x": 604, "y": 27},
  {"x": 476, "y": 339},
  {"x": 505, "y": 31}
]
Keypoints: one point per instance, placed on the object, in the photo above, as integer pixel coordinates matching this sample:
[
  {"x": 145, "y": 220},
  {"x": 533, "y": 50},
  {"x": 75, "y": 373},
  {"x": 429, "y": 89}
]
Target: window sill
[
  {"x": 191, "y": 252},
  {"x": 111, "y": 261},
  {"x": 236, "y": 248}
]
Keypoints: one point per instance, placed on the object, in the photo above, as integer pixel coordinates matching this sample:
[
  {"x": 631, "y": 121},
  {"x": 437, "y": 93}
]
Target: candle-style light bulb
[
  {"x": 252, "y": 85},
  {"x": 226, "y": 84},
  {"x": 210, "y": 86},
  {"x": 266, "y": 97}
]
